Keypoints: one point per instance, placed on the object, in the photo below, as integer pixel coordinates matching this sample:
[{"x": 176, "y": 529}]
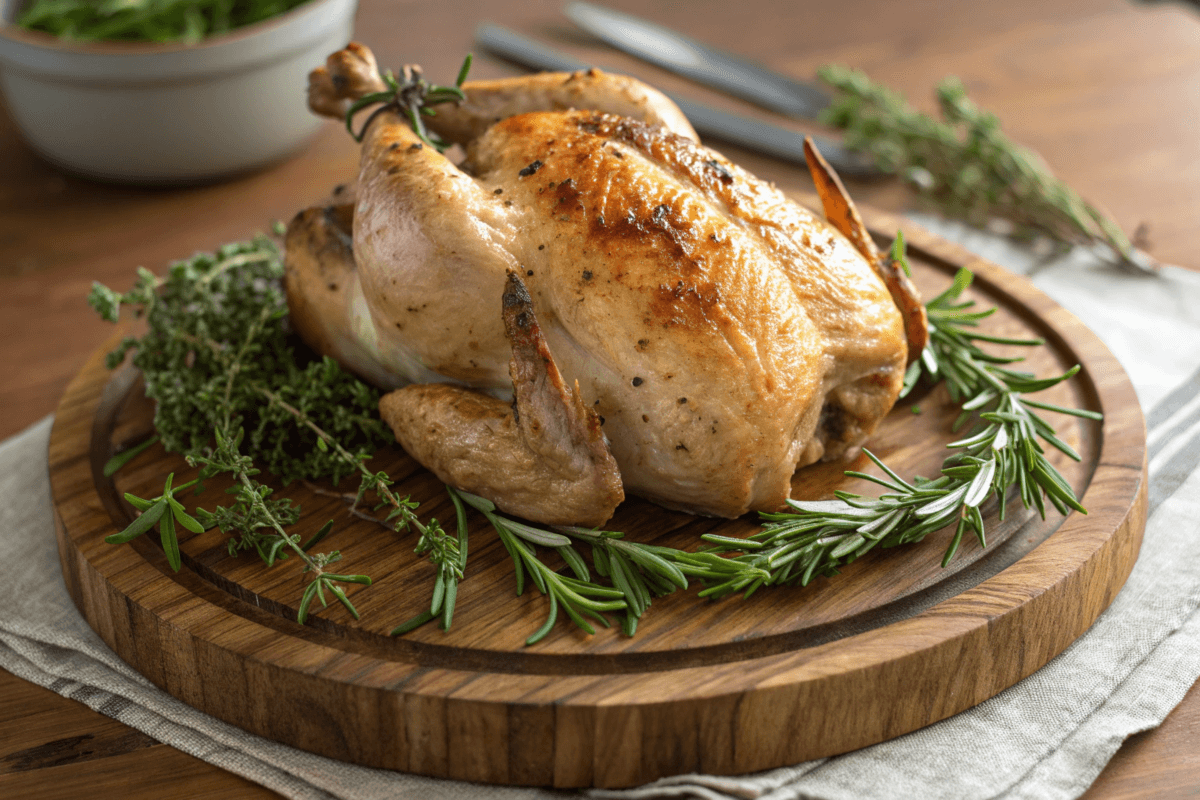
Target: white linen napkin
[{"x": 1046, "y": 737}]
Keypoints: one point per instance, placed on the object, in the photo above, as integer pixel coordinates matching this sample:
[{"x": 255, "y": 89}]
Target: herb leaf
[
  {"x": 143, "y": 523},
  {"x": 146, "y": 20},
  {"x": 125, "y": 456},
  {"x": 968, "y": 167},
  {"x": 234, "y": 395}
]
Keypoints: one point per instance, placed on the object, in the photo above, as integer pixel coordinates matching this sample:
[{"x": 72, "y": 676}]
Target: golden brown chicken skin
[{"x": 722, "y": 333}]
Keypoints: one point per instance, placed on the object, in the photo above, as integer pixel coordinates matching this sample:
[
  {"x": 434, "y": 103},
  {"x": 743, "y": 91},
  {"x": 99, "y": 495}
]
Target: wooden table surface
[{"x": 1107, "y": 91}]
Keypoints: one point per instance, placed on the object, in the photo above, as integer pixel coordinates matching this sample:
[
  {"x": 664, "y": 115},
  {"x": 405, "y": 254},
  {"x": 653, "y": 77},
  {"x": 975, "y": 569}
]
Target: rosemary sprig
[
  {"x": 967, "y": 166},
  {"x": 637, "y": 572},
  {"x": 578, "y": 596},
  {"x": 412, "y": 96}
]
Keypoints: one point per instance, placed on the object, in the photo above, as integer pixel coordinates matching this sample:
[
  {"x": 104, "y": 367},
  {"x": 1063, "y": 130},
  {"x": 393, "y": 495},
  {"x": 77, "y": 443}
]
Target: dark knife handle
[
  {"x": 525, "y": 51},
  {"x": 762, "y": 137},
  {"x": 700, "y": 62},
  {"x": 771, "y": 140}
]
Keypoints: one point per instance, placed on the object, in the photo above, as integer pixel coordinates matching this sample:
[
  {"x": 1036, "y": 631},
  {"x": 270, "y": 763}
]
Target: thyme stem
[{"x": 968, "y": 167}]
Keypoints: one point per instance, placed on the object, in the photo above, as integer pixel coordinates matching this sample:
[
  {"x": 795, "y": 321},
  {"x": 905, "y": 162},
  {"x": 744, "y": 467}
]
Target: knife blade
[
  {"x": 761, "y": 137},
  {"x": 700, "y": 62}
]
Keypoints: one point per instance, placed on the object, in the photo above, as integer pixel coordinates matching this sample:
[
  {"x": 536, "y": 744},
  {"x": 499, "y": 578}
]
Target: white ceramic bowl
[{"x": 147, "y": 113}]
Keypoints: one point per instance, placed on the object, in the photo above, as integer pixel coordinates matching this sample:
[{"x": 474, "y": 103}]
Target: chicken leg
[{"x": 542, "y": 458}]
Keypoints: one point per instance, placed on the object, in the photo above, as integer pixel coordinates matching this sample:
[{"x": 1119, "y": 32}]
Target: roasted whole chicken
[{"x": 593, "y": 303}]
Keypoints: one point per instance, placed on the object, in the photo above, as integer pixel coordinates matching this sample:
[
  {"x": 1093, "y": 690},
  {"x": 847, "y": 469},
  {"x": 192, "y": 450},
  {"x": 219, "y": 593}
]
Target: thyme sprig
[
  {"x": 233, "y": 393},
  {"x": 252, "y": 516},
  {"x": 449, "y": 556},
  {"x": 968, "y": 167},
  {"x": 412, "y": 96}
]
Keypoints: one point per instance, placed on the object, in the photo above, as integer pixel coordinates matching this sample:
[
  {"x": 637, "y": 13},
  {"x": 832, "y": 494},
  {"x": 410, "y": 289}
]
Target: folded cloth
[{"x": 1046, "y": 737}]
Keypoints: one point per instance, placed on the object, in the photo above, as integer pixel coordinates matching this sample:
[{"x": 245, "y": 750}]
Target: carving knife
[
  {"x": 700, "y": 62},
  {"x": 761, "y": 137}
]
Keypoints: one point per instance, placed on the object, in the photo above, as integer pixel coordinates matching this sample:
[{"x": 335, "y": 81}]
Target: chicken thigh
[{"x": 712, "y": 332}]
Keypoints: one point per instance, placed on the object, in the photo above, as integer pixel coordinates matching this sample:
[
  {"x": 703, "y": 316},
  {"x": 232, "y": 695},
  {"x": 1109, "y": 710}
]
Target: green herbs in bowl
[
  {"x": 126, "y": 93},
  {"x": 186, "y": 21}
]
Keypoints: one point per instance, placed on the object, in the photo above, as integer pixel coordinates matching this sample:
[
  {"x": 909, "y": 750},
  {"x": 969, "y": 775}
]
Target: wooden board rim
[{"x": 1099, "y": 547}]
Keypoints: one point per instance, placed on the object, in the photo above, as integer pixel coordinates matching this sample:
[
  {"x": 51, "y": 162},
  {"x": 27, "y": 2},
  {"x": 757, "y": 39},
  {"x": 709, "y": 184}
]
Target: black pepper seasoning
[{"x": 532, "y": 168}]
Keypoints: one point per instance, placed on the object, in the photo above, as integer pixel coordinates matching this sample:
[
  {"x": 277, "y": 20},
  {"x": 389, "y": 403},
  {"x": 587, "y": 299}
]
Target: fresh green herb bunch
[
  {"x": 967, "y": 166},
  {"x": 218, "y": 361},
  {"x": 227, "y": 310},
  {"x": 186, "y": 21}
]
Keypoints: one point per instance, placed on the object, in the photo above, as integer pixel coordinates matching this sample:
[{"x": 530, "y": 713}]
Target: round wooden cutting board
[{"x": 892, "y": 644}]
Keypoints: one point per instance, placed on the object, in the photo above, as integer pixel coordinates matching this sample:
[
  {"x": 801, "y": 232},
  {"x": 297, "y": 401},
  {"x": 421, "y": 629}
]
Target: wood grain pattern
[
  {"x": 54, "y": 747},
  {"x": 892, "y": 644}
]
